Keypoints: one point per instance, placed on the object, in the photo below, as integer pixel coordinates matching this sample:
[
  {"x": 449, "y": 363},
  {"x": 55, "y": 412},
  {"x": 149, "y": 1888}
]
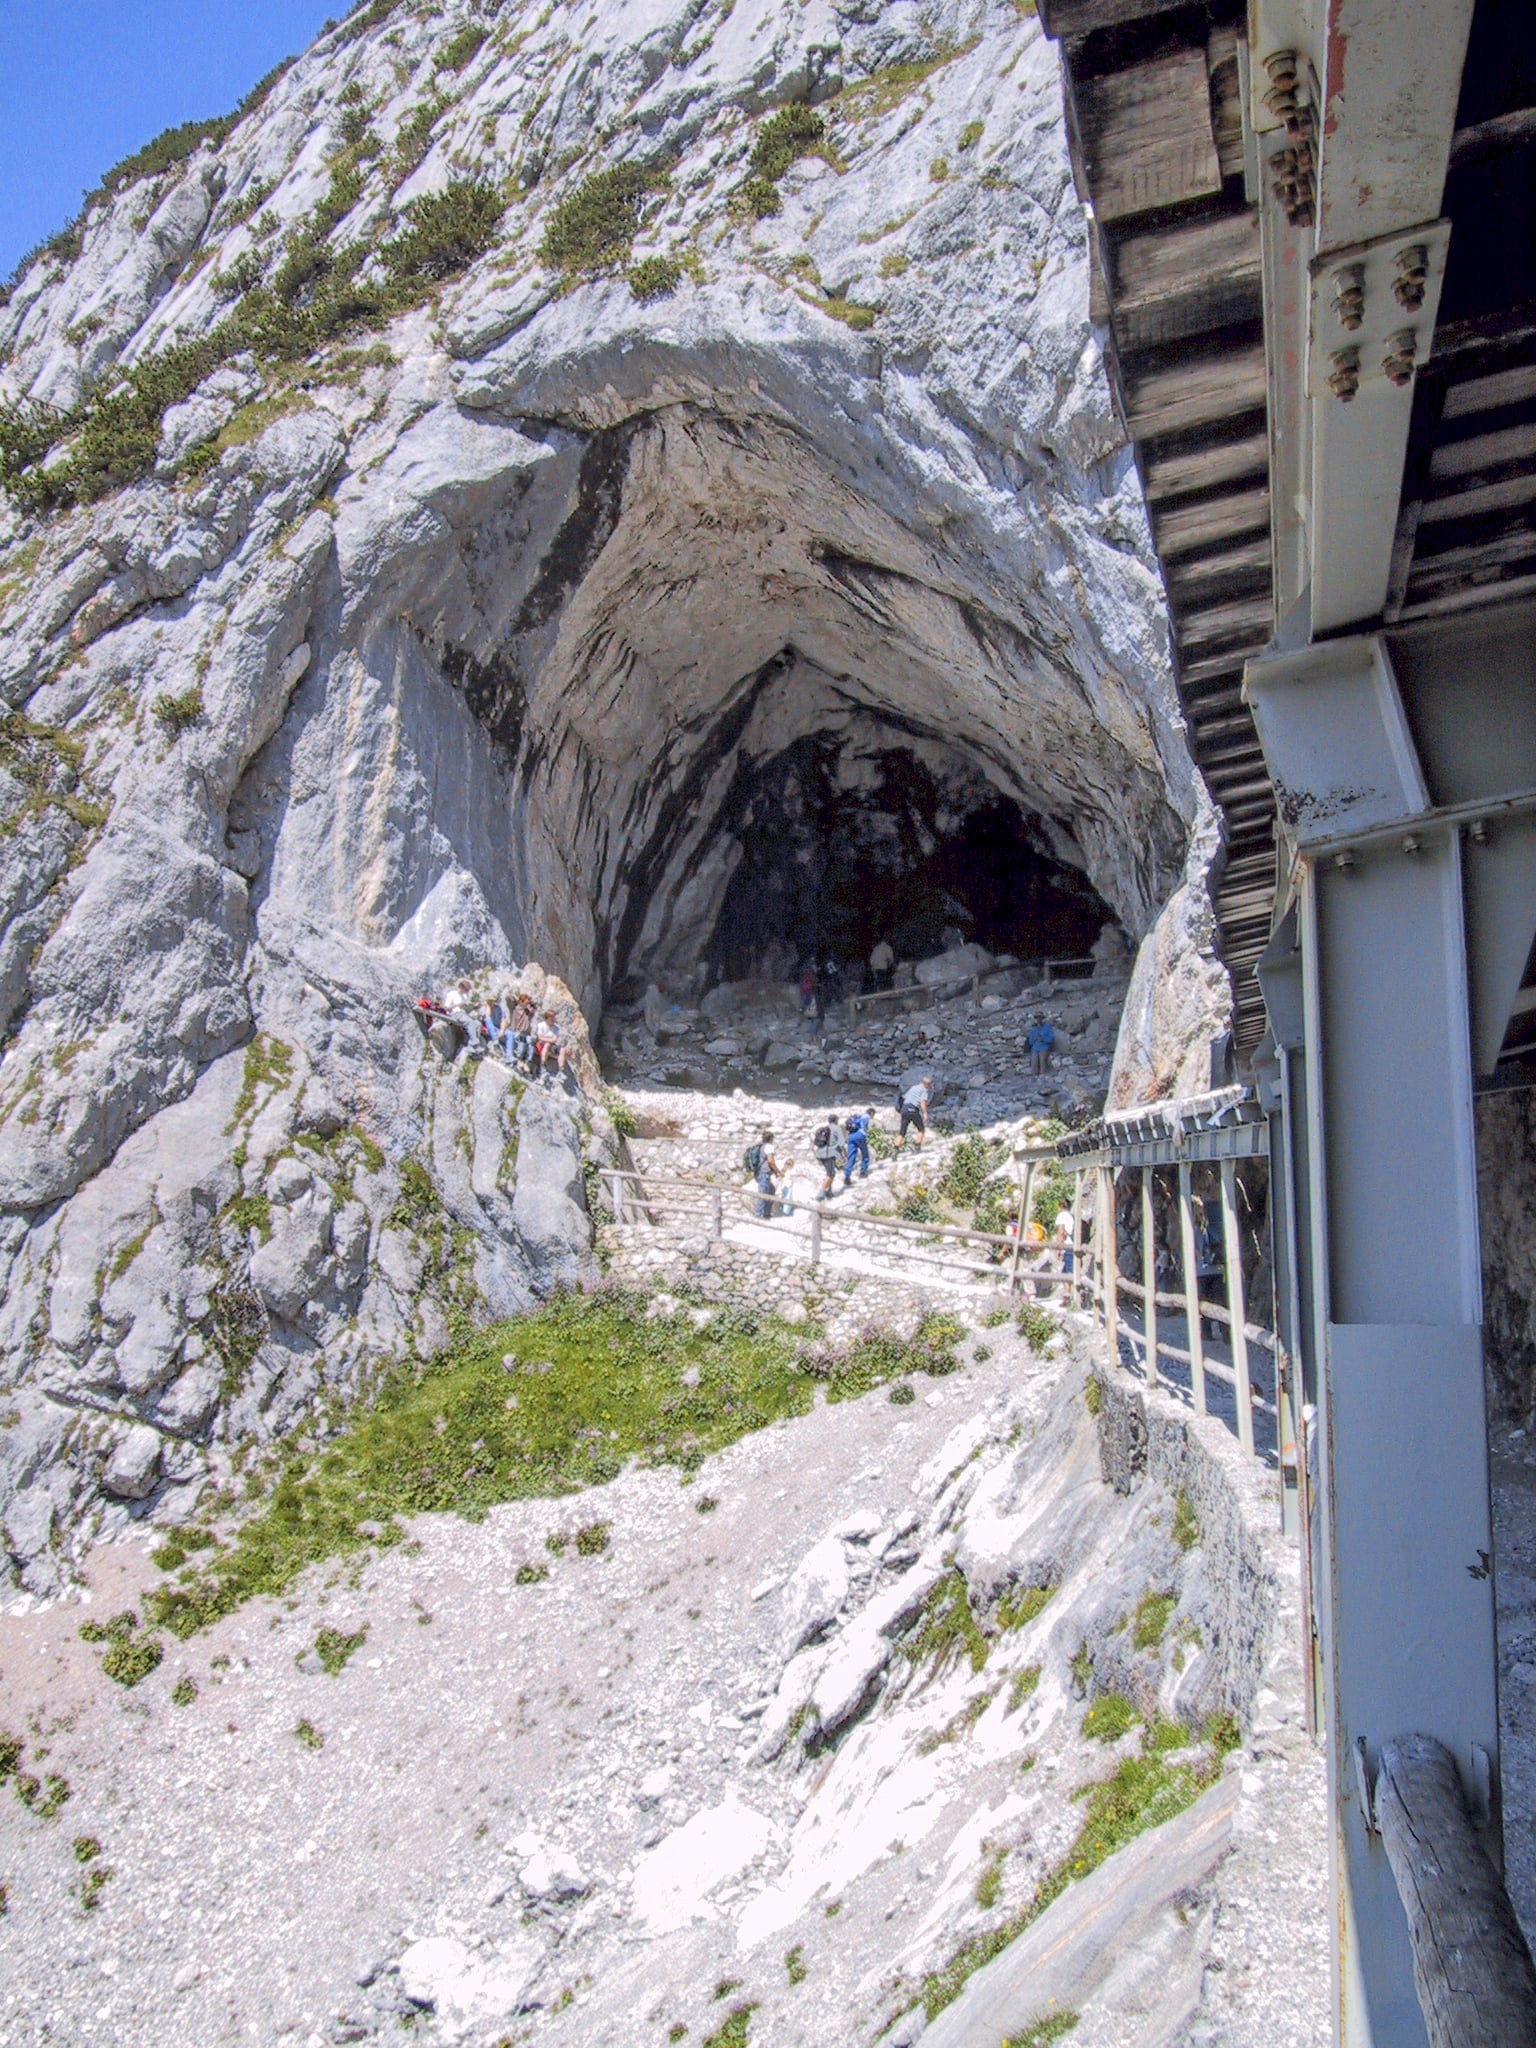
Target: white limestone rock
[{"x": 134, "y": 1465}]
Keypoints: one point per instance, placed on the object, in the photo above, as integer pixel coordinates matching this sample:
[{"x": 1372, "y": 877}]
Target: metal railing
[{"x": 1050, "y": 971}]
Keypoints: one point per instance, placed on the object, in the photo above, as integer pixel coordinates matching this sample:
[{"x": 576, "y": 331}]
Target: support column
[
  {"x": 1075, "y": 1291},
  {"x": 1149, "y": 1272},
  {"x": 1191, "y": 1275},
  {"x": 1111, "y": 1261}
]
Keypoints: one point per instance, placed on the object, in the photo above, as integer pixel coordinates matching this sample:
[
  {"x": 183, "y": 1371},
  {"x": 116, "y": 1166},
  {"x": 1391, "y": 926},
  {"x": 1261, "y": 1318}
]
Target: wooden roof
[{"x": 1154, "y": 112}]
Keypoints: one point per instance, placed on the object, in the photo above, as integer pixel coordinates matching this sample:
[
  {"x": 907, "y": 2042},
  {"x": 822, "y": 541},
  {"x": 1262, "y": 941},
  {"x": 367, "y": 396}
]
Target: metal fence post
[
  {"x": 1149, "y": 1273},
  {"x": 1191, "y": 1292},
  {"x": 1236, "y": 1306}
]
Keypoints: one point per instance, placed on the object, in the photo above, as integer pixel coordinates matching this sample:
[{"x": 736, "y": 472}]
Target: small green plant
[
  {"x": 852, "y": 314},
  {"x": 971, "y": 134},
  {"x": 918, "y": 1205},
  {"x": 1055, "y": 2026},
  {"x": 938, "y": 170},
  {"x": 176, "y": 715},
  {"x": 91, "y": 1886},
  {"x": 895, "y": 264},
  {"x": 726, "y": 1986},
  {"x": 86, "y": 1848},
  {"x": 591, "y": 229},
  {"x": 1093, "y": 1395},
  {"x": 10, "y": 1756},
  {"x": 592, "y": 1540},
  {"x": 1222, "y": 1732},
  {"x": 706, "y": 1504},
  {"x": 990, "y": 1882},
  {"x": 1152, "y": 1612},
  {"x": 333, "y": 1649},
  {"x": 184, "y": 1692},
  {"x": 1109, "y": 1718},
  {"x": 994, "y": 1318},
  {"x": 946, "y": 1628},
  {"x": 625, "y": 1123},
  {"x": 307, "y": 1733},
  {"x": 1035, "y": 1326},
  {"x": 1021, "y": 1685},
  {"x": 1186, "y": 1529},
  {"x": 45, "y": 1798},
  {"x": 794, "y": 1964},
  {"x": 655, "y": 277},
  {"x": 940, "y": 1329},
  {"x": 677, "y": 2031},
  {"x": 530, "y": 1574},
  {"x": 902, "y": 1395},
  {"x": 1020, "y": 1605},
  {"x": 732, "y": 2031},
  {"x": 131, "y": 1652},
  {"x": 1082, "y": 1670}
]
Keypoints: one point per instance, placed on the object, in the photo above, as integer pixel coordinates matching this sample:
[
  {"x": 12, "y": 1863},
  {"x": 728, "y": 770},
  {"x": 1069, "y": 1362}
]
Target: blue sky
[{"x": 83, "y": 83}]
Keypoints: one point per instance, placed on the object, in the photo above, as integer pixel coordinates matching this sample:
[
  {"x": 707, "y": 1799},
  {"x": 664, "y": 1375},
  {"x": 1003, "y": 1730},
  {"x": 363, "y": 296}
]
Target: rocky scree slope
[
  {"x": 812, "y": 1735},
  {"x": 422, "y": 497}
]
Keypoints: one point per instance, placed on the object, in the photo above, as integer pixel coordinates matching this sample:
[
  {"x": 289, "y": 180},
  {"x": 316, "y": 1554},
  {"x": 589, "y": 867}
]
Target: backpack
[
  {"x": 900, "y": 1102},
  {"x": 752, "y": 1159},
  {"x": 823, "y": 1139}
]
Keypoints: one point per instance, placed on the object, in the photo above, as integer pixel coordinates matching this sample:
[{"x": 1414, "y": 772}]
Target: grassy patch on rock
[{"x": 540, "y": 1406}]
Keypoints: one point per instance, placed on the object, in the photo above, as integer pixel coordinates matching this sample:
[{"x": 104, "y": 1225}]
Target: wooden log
[
  {"x": 1471, "y": 1967},
  {"x": 1195, "y": 389},
  {"x": 1185, "y": 280},
  {"x": 1182, "y": 528}
]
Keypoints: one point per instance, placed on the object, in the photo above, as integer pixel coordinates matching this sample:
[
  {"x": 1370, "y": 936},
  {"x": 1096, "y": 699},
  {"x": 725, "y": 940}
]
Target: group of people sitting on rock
[
  {"x": 841, "y": 1145},
  {"x": 527, "y": 1041}
]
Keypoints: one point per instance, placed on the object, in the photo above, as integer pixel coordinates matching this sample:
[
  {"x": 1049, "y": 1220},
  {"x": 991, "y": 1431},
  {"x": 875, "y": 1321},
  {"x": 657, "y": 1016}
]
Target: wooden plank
[
  {"x": 1195, "y": 391},
  {"x": 1484, "y": 394},
  {"x": 1499, "y": 497},
  {"x": 1484, "y": 451},
  {"x": 1183, "y": 528},
  {"x": 1190, "y": 279},
  {"x": 1216, "y": 461},
  {"x": 1237, "y": 1323},
  {"x": 1247, "y": 558},
  {"x": 1251, "y": 615},
  {"x": 1471, "y": 1967},
  {"x": 1070, "y": 20},
  {"x": 1147, "y": 139},
  {"x": 1226, "y": 101}
]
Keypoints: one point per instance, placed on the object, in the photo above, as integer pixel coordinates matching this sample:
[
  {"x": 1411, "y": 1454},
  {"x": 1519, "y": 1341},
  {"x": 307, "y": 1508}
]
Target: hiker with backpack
[
  {"x": 827, "y": 1144},
  {"x": 858, "y": 1147},
  {"x": 912, "y": 1108},
  {"x": 763, "y": 1170}
]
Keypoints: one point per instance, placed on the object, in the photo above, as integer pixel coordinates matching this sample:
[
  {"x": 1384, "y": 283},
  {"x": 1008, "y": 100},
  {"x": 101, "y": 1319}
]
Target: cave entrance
[{"x": 830, "y": 848}]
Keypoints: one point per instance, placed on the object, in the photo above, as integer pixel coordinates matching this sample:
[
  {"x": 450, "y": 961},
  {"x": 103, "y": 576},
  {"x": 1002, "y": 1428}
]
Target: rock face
[{"x": 437, "y": 644}]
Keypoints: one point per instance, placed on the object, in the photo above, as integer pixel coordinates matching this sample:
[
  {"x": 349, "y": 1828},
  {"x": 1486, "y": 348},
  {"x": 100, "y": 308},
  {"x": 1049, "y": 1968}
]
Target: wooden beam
[
  {"x": 1195, "y": 390},
  {"x": 1147, "y": 139},
  {"x": 1253, "y": 616},
  {"x": 1491, "y": 138},
  {"x": 1071, "y": 20},
  {"x": 1217, "y": 460},
  {"x": 1471, "y": 1967},
  {"x": 1518, "y": 489},
  {"x": 1484, "y": 451},
  {"x": 1484, "y": 394},
  {"x": 1191, "y": 1292},
  {"x": 1247, "y": 558}
]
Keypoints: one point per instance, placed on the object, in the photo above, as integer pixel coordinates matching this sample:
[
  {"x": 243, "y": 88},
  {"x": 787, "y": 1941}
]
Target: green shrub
[
  {"x": 460, "y": 49},
  {"x": 445, "y": 231},
  {"x": 593, "y": 1540},
  {"x": 530, "y": 1574},
  {"x": 792, "y": 132},
  {"x": 625, "y": 1123},
  {"x": 1021, "y": 1604},
  {"x": 1021, "y": 1685},
  {"x": 184, "y": 1692},
  {"x": 918, "y": 1206},
  {"x": 732, "y": 2032},
  {"x": 657, "y": 277},
  {"x": 1093, "y": 1396},
  {"x": 1186, "y": 1528},
  {"x": 176, "y": 715},
  {"x": 947, "y": 1627},
  {"x": 760, "y": 198},
  {"x": 132, "y": 1658},
  {"x": 1035, "y": 1325},
  {"x": 968, "y": 1166},
  {"x": 938, "y": 170},
  {"x": 971, "y": 134},
  {"x": 794, "y": 1964},
  {"x": 307, "y": 1733},
  {"x": 1052, "y": 1194},
  {"x": 902, "y": 1395},
  {"x": 592, "y": 228}
]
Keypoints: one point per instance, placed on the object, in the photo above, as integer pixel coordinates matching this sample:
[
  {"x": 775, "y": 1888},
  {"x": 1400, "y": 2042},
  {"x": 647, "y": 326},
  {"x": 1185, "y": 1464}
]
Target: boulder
[
  {"x": 134, "y": 1465},
  {"x": 548, "y": 1209}
]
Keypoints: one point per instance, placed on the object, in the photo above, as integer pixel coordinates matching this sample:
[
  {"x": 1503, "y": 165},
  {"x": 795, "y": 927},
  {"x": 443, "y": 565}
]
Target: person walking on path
[
  {"x": 914, "y": 1113},
  {"x": 764, "y": 1169},
  {"x": 828, "y": 1146},
  {"x": 881, "y": 960},
  {"x": 1039, "y": 1042},
  {"x": 858, "y": 1147}
]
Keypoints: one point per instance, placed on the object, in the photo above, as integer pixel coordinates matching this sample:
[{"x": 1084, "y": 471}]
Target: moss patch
[
  {"x": 948, "y": 1628},
  {"x": 1151, "y": 1619},
  {"x": 333, "y": 1649},
  {"x": 1109, "y": 1718}
]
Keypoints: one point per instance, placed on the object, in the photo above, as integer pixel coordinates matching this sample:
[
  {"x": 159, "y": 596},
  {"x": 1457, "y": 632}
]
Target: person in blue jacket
[
  {"x": 1039, "y": 1042},
  {"x": 858, "y": 1146}
]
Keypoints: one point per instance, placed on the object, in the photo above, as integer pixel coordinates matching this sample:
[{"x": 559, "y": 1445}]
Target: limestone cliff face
[{"x": 399, "y": 564}]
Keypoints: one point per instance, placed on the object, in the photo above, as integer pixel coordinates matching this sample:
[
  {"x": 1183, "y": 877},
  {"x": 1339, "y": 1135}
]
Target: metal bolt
[
  {"x": 1344, "y": 861},
  {"x": 1345, "y": 381},
  {"x": 1477, "y": 831},
  {"x": 1398, "y": 360},
  {"x": 1411, "y": 843},
  {"x": 1412, "y": 271},
  {"x": 1349, "y": 295}
]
